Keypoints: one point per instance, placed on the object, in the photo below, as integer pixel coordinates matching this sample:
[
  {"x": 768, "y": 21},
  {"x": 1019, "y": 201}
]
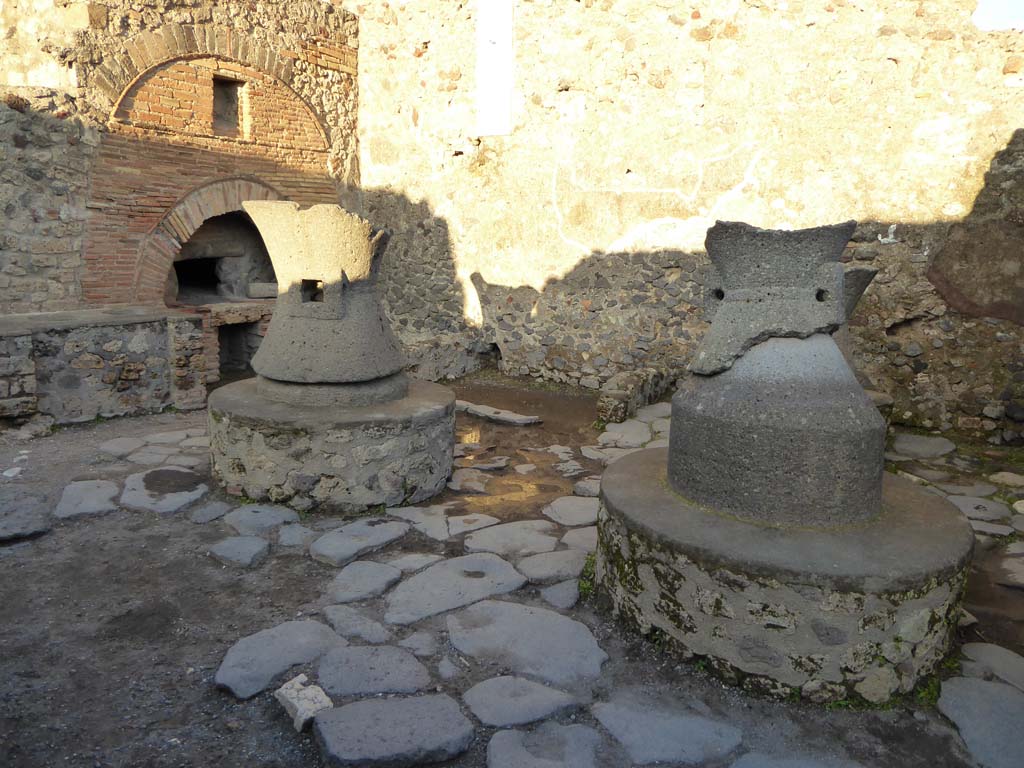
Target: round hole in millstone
[
  {"x": 822, "y": 295},
  {"x": 719, "y": 294},
  {"x": 171, "y": 481},
  {"x": 474, "y": 574}
]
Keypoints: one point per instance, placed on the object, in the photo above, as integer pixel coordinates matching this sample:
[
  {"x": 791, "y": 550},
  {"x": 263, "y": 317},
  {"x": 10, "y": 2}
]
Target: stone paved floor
[{"x": 153, "y": 622}]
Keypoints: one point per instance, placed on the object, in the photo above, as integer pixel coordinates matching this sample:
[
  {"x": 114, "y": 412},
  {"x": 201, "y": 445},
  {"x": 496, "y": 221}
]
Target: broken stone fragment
[{"x": 301, "y": 701}]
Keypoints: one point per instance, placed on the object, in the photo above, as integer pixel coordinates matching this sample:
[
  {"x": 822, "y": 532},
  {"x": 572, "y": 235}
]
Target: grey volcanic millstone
[
  {"x": 451, "y": 584},
  {"x": 654, "y": 732},
  {"x": 345, "y": 544},
  {"x": 507, "y": 700},
  {"x": 251, "y": 664},
  {"x": 363, "y": 670},
  {"x": 361, "y": 580},
  {"x": 988, "y": 716},
  {"x": 526, "y": 537},
  {"x": 549, "y": 746},
  {"x": 531, "y": 641},
  {"x": 246, "y": 551},
  {"x": 393, "y": 733},
  {"x": 165, "y": 489},
  {"x": 258, "y": 519}
]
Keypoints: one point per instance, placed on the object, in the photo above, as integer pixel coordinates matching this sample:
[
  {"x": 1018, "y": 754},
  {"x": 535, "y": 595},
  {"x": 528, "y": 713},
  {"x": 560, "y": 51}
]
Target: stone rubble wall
[{"x": 17, "y": 377}]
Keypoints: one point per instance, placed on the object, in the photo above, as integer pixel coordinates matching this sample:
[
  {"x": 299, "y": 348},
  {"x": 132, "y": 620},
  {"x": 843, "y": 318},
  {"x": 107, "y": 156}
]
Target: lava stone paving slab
[
  {"x": 246, "y": 551},
  {"x": 988, "y": 715},
  {"x": 22, "y": 516},
  {"x": 573, "y": 510},
  {"x": 365, "y": 670},
  {"x": 393, "y": 733},
  {"x": 975, "y": 489},
  {"x": 451, "y": 584},
  {"x": 922, "y": 446},
  {"x": 508, "y": 700},
  {"x": 351, "y": 622},
  {"x": 87, "y": 497},
  {"x": 466, "y": 523},
  {"x": 582, "y": 538},
  {"x": 549, "y": 567},
  {"x": 209, "y": 512},
  {"x": 122, "y": 446},
  {"x": 251, "y": 664},
  {"x": 757, "y": 760},
  {"x": 530, "y": 641},
  {"x": 345, "y": 544},
  {"x": 527, "y": 537},
  {"x": 977, "y": 508},
  {"x": 563, "y": 595},
  {"x": 430, "y": 521},
  {"x": 652, "y": 731},
  {"x": 413, "y": 562},
  {"x": 259, "y": 519},
  {"x": 164, "y": 489},
  {"x": 361, "y": 580},
  {"x": 588, "y": 487},
  {"x": 549, "y": 746},
  {"x": 469, "y": 481},
  {"x": 1002, "y": 662},
  {"x": 295, "y": 538}
]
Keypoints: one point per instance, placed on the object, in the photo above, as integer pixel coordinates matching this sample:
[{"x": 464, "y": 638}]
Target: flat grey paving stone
[
  {"x": 976, "y": 489},
  {"x": 549, "y": 567},
  {"x": 1011, "y": 572},
  {"x": 527, "y": 537},
  {"x": 490, "y": 465},
  {"x": 570, "y": 468},
  {"x": 661, "y": 426},
  {"x": 922, "y": 446},
  {"x": 1004, "y": 663},
  {"x": 649, "y": 413},
  {"x": 990, "y": 529},
  {"x": 361, "y": 580},
  {"x": 653, "y": 731},
  {"x": 1017, "y": 521},
  {"x": 581, "y": 538},
  {"x": 451, "y": 584},
  {"x": 530, "y": 641},
  {"x": 22, "y": 515},
  {"x": 657, "y": 444},
  {"x": 497, "y": 415},
  {"x": 251, "y": 664},
  {"x": 293, "y": 537},
  {"x": 447, "y": 670},
  {"x": 588, "y": 487},
  {"x": 573, "y": 510},
  {"x": 413, "y": 562},
  {"x": 420, "y": 643},
  {"x": 210, "y": 511},
  {"x": 164, "y": 490},
  {"x": 628, "y": 434},
  {"x": 563, "y": 595},
  {"x": 549, "y": 746},
  {"x": 260, "y": 519},
  {"x": 192, "y": 462},
  {"x": 393, "y": 733},
  {"x": 87, "y": 497},
  {"x": 245, "y": 551},
  {"x": 147, "y": 458},
  {"x": 122, "y": 446},
  {"x": 362, "y": 670},
  {"x": 430, "y": 521},
  {"x": 350, "y": 622},
  {"x": 1012, "y": 479},
  {"x": 348, "y": 542},
  {"x": 469, "y": 481},
  {"x": 508, "y": 700},
  {"x": 758, "y": 760},
  {"x": 988, "y": 716},
  {"x": 977, "y": 508},
  {"x": 195, "y": 442},
  {"x": 167, "y": 438},
  {"x": 466, "y": 523},
  {"x": 525, "y": 469}
]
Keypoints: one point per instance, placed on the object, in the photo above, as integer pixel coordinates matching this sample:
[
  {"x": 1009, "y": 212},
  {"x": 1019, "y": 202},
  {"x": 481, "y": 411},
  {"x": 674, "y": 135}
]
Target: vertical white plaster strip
[{"x": 494, "y": 67}]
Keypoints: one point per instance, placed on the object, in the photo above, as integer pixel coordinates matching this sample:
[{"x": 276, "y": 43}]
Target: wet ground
[{"x": 112, "y": 627}]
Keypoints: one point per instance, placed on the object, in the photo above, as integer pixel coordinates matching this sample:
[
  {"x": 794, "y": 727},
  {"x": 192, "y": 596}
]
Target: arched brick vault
[
  {"x": 162, "y": 244},
  {"x": 116, "y": 74}
]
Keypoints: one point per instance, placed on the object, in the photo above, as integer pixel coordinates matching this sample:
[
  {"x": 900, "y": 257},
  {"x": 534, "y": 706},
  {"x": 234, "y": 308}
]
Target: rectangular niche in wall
[{"x": 227, "y": 106}]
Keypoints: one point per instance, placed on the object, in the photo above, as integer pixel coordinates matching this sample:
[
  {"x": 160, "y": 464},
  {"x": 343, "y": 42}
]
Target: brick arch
[
  {"x": 119, "y": 71},
  {"x": 164, "y": 241}
]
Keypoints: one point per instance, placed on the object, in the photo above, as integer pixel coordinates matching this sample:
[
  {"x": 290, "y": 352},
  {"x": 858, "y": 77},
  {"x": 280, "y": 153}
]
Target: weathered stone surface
[
  {"x": 251, "y": 664},
  {"x": 549, "y": 567},
  {"x": 421, "y": 643},
  {"x": 162, "y": 490},
  {"x": 588, "y": 487},
  {"x": 465, "y": 523},
  {"x": 627, "y": 434},
  {"x": 87, "y": 497},
  {"x": 207, "y": 513},
  {"x": 988, "y": 716},
  {"x": 581, "y": 538},
  {"x": 393, "y": 733},
  {"x": 246, "y": 551},
  {"x": 527, "y": 537},
  {"x": 430, "y": 521},
  {"x": 525, "y": 469},
  {"x": 563, "y": 595},
  {"x": 573, "y": 510},
  {"x": 652, "y": 731},
  {"x": 167, "y": 438},
  {"x": 497, "y": 415},
  {"x": 122, "y": 446},
  {"x": 490, "y": 465},
  {"x": 1011, "y": 479},
  {"x": 468, "y": 481},
  {"x": 345, "y": 544},
  {"x": 361, "y": 580},
  {"x": 451, "y": 584},
  {"x": 365, "y": 670},
  {"x": 413, "y": 562},
  {"x": 549, "y": 746},
  {"x": 974, "y": 489},
  {"x": 507, "y": 700},
  {"x": 991, "y": 529},
  {"x": 302, "y": 702},
  {"x": 758, "y": 760},
  {"x": 22, "y": 516},
  {"x": 351, "y": 622},
  {"x": 980, "y": 509},
  {"x": 1003, "y": 663},
  {"x": 651, "y": 413},
  {"x": 259, "y": 519},
  {"x": 922, "y": 446},
  {"x": 530, "y": 641},
  {"x": 293, "y": 537}
]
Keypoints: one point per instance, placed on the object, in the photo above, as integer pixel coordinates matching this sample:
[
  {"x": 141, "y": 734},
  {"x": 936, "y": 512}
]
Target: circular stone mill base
[
  {"x": 859, "y": 611},
  {"x": 334, "y": 458}
]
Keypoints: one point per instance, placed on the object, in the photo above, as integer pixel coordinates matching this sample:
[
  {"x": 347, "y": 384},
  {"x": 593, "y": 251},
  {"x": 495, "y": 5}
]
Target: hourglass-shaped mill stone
[{"x": 774, "y": 427}]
